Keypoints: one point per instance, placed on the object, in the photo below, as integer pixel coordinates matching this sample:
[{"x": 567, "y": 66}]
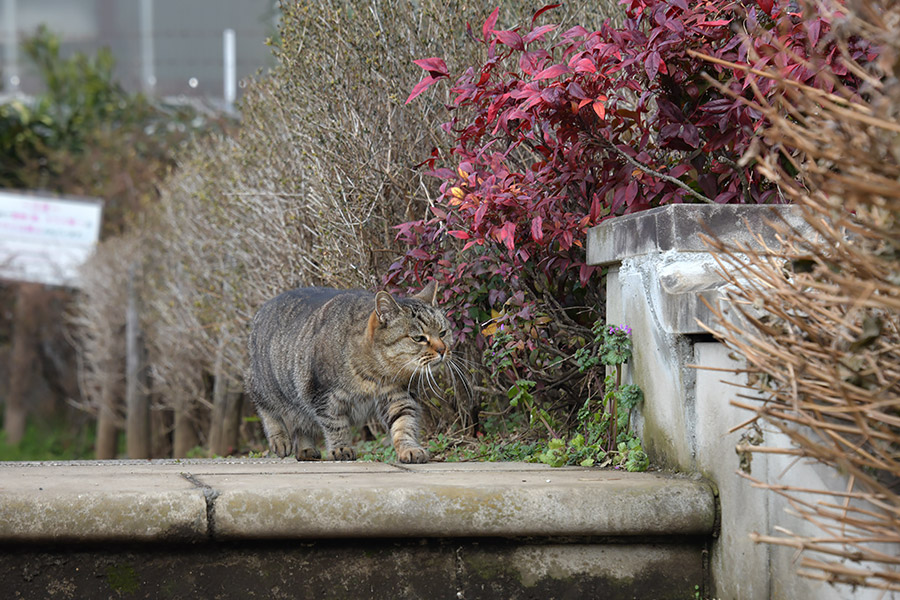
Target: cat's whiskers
[
  {"x": 432, "y": 383},
  {"x": 413, "y": 362},
  {"x": 465, "y": 361},
  {"x": 457, "y": 369},
  {"x": 419, "y": 384},
  {"x": 423, "y": 379}
]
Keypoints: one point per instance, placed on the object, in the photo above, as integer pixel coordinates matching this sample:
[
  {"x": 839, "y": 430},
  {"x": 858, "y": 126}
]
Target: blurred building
[{"x": 190, "y": 49}]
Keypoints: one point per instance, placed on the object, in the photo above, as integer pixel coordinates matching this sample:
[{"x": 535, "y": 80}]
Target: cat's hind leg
[
  {"x": 305, "y": 433},
  {"x": 336, "y": 426},
  {"x": 306, "y": 447},
  {"x": 280, "y": 442},
  {"x": 337, "y": 440},
  {"x": 266, "y": 402}
]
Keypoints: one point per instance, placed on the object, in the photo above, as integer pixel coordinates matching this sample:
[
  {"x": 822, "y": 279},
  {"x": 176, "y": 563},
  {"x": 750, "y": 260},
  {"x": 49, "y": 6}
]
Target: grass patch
[{"x": 51, "y": 441}]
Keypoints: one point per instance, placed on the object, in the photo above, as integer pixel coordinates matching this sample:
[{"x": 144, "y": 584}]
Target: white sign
[{"x": 46, "y": 239}]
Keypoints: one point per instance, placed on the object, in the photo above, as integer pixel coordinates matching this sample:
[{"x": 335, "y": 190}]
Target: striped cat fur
[{"x": 324, "y": 360}]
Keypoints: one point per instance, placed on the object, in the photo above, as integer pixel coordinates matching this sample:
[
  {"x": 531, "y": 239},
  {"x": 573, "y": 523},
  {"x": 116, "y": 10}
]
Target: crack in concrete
[{"x": 209, "y": 494}]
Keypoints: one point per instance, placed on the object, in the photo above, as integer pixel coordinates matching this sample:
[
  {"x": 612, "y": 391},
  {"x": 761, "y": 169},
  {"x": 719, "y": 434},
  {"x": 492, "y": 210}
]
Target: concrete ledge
[
  {"x": 658, "y": 256},
  {"x": 56, "y": 503},
  {"x": 679, "y": 226},
  {"x": 271, "y": 499}
]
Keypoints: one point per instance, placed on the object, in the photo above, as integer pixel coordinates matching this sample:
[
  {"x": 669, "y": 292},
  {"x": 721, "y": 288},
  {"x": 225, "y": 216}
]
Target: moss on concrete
[
  {"x": 122, "y": 579},
  {"x": 417, "y": 569}
]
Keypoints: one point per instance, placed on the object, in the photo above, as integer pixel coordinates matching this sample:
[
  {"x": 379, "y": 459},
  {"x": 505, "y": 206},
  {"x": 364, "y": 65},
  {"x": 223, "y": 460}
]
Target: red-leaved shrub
[{"x": 558, "y": 130}]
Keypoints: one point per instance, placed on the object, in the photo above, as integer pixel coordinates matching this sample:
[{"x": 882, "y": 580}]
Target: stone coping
[
  {"x": 223, "y": 499},
  {"x": 678, "y": 227}
]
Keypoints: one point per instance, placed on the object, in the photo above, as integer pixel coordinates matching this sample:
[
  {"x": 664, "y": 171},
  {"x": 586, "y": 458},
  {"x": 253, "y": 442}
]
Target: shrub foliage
[
  {"x": 556, "y": 130},
  {"x": 304, "y": 193}
]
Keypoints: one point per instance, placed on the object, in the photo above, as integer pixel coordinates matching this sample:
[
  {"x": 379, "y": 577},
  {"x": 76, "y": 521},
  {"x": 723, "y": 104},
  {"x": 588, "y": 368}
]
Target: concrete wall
[
  {"x": 658, "y": 270},
  {"x": 270, "y": 528}
]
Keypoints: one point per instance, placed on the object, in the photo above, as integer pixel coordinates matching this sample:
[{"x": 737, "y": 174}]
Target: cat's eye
[
  {"x": 444, "y": 333},
  {"x": 419, "y": 339}
]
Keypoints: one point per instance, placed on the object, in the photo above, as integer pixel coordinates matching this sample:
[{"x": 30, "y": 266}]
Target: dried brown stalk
[{"x": 816, "y": 321}]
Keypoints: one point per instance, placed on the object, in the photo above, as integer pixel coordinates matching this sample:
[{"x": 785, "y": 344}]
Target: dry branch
[{"x": 816, "y": 322}]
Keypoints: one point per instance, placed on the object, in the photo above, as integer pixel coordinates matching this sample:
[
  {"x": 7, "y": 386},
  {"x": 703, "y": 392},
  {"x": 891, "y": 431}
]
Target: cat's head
[{"x": 409, "y": 334}]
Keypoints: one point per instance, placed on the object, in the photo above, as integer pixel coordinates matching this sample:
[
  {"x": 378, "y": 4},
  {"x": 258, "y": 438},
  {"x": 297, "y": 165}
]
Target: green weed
[{"x": 50, "y": 442}]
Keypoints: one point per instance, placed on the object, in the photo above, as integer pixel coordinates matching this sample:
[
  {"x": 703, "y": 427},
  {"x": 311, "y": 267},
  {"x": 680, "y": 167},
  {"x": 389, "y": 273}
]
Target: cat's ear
[
  {"x": 385, "y": 306},
  {"x": 428, "y": 294}
]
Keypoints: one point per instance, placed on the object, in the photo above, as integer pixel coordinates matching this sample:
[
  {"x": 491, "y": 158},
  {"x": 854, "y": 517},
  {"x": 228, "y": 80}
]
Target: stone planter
[{"x": 659, "y": 271}]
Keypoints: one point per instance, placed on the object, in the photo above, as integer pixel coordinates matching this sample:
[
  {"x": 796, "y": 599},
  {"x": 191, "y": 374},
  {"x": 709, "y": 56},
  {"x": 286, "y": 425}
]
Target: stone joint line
[{"x": 210, "y": 494}]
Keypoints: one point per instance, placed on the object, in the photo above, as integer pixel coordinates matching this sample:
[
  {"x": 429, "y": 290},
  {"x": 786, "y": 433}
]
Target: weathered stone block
[
  {"x": 659, "y": 273},
  {"x": 679, "y": 227}
]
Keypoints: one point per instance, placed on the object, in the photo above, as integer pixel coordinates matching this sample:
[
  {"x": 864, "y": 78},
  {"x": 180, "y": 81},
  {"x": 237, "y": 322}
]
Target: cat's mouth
[
  {"x": 420, "y": 364},
  {"x": 439, "y": 357},
  {"x": 432, "y": 361}
]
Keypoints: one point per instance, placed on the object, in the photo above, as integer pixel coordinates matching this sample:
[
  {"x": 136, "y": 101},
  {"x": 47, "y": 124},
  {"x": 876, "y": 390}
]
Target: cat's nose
[{"x": 439, "y": 347}]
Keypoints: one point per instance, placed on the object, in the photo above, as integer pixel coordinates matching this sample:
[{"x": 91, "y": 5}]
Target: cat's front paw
[
  {"x": 343, "y": 453},
  {"x": 412, "y": 455}
]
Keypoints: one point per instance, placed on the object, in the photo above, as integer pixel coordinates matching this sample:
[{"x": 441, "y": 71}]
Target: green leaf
[
  {"x": 629, "y": 396},
  {"x": 637, "y": 461}
]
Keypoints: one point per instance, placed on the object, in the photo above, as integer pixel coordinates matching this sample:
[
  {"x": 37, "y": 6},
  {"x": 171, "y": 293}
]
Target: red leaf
[
  {"x": 716, "y": 23},
  {"x": 599, "y": 107},
  {"x": 538, "y": 33},
  {"x": 542, "y": 10},
  {"x": 597, "y": 206},
  {"x": 507, "y": 235},
  {"x": 462, "y": 235},
  {"x": 554, "y": 71},
  {"x": 527, "y": 63},
  {"x": 654, "y": 60},
  {"x": 420, "y": 87},
  {"x": 537, "y": 231},
  {"x": 511, "y": 39},
  {"x": 584, "y": 273},
  {"x": 532, "y": 102},
  {"x": 435, "y": 66},
  {"x": 690, "y": 134},
  {"x": 489, "y": 24},
  {"x": 766, "y": 6},
  {"x": 814, "y": 31},
  {"x": 479, "y": 215},
  {"x": 585, "y": 65},
  {"x": 631, "y": 192},
  {"x": 576, "y": 91}
]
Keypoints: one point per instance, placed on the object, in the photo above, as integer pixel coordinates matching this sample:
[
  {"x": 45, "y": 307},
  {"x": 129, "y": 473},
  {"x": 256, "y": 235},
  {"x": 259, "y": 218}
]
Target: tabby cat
[{"x": 324, "y": 360}]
